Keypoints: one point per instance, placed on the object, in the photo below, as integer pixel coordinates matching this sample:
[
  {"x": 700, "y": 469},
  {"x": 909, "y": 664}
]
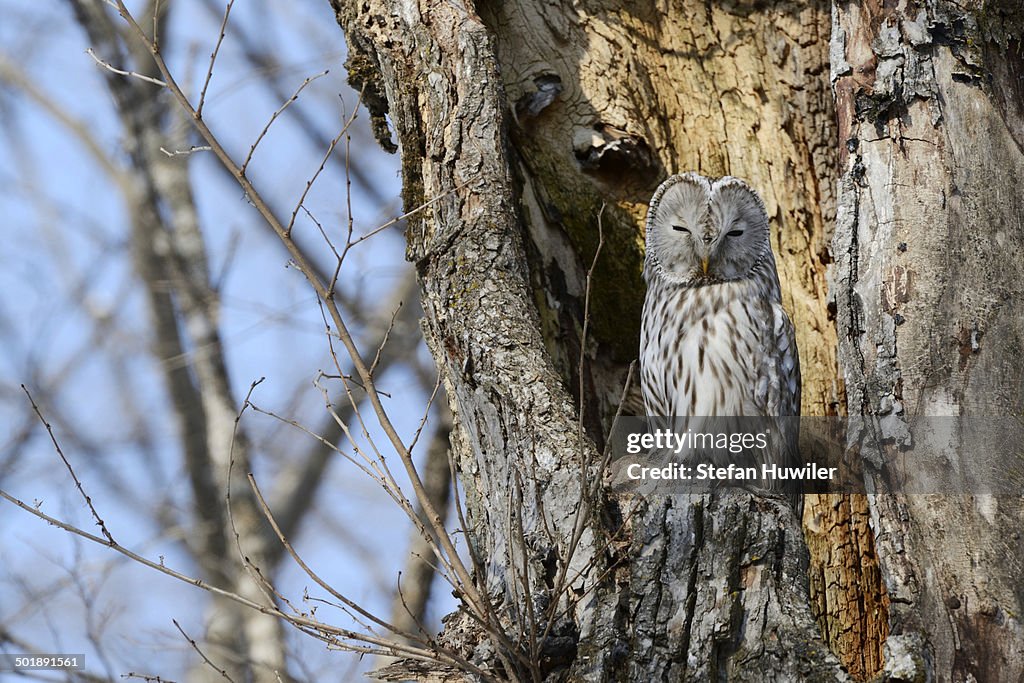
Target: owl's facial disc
[{"x": 707, "y": 231}]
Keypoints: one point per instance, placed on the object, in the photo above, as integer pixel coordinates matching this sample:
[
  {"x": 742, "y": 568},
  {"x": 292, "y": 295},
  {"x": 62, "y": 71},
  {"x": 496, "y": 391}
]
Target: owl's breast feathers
[{"x": 724, "y": 349}]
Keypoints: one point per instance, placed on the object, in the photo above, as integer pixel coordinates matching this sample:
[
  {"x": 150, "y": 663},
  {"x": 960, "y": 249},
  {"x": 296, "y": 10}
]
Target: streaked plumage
[{"x": 715, "y": 340}]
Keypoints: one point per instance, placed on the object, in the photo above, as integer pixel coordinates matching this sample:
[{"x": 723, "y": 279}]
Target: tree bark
[
  {"x": 525, "y": 120},
  {"x": 645, "y": 89},
  {"x": 516, "y": 437},
  {"x": 928, "y": 244}
]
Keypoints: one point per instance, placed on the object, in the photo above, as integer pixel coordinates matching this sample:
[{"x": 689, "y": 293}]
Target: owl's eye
[
  {"x": 734, "y": 233},
  {"x": 679, "y": 228}
]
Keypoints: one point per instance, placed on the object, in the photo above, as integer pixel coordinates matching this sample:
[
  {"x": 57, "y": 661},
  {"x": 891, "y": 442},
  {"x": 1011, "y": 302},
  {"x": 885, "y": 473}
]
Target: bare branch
[
  {"x": 280, "y": 110},
  {"x": 195, "y": 646},
  {"x": 78, "y": 483},
  {"x": 306, "y": 624},
  {"x": 122, "y": 72},
  {"x": 213, "y": 57},
  {"x": 186, "y": 152}
]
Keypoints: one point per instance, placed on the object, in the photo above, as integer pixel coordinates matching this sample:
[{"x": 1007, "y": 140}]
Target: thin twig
[
  {"x": 122, "y": 72},
  {"x": 597, "y": 484},
  {"x": 311, "y": 181},
  {"x": 349, "y": 216},
  {"x": 156, "y": 23},
  {"x": 337, "y": 257},
  {"x": 606, "y": 459},
  {"x": 186, "y": 152},
  {"x": 251, "y": 568},
  {"x": 213, "y": 57},
  {"x": 476, "y": 562},
  {"x": 584, "y": 508},
  {"x": 295, "y": 96},
  {"x": 401, "y": 595},
  {"x": 412, "y": 212},
  {"x": 426, "y": 412},
  {"x": 78, "y": 483},
  {"x": 375, "y": 476},
  {"x": 627, "y": 385},
  {"x": 195, "y": 646},
  {"x": 145, "y": 677},
  {"x": 516, "y": 512}
]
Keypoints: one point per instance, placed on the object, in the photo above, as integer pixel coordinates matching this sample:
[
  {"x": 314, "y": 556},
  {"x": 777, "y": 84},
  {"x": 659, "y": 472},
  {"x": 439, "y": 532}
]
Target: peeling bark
[
  {"x": 927, "y": 286},
  {"x": 848, "y": 597}
]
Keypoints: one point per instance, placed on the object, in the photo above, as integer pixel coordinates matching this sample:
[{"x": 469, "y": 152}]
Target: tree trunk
[
  {"x": 928, "y": 272},
  {"x": 676, "y": 586},
  {"x": 529, "y": 120}
]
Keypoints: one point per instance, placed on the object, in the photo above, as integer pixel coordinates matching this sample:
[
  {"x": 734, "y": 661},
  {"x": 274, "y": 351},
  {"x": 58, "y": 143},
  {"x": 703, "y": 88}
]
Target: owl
[{"x": 715, "y": 340}]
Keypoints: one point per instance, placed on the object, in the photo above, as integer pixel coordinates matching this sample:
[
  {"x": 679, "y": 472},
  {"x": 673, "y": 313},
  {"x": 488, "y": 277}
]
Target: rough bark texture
[
  {"x": 608, "y": 98},
  {"x": 848, "y": 597},
  {"x": 516, "y": 437},
  {"x": 927, "y": 285},
  {"x": 530, "y": 116}
]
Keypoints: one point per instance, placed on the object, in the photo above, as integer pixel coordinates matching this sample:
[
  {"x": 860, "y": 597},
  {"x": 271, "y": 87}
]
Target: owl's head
[{"x": 703, "y": 231}]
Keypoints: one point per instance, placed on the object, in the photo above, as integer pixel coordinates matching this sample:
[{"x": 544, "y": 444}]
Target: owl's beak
[{"x": 704, "y": 265}]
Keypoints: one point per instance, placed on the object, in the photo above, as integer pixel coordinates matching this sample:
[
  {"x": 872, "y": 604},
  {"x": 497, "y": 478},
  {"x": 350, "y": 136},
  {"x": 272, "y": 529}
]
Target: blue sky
[{"x": 65, "y": 265}]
